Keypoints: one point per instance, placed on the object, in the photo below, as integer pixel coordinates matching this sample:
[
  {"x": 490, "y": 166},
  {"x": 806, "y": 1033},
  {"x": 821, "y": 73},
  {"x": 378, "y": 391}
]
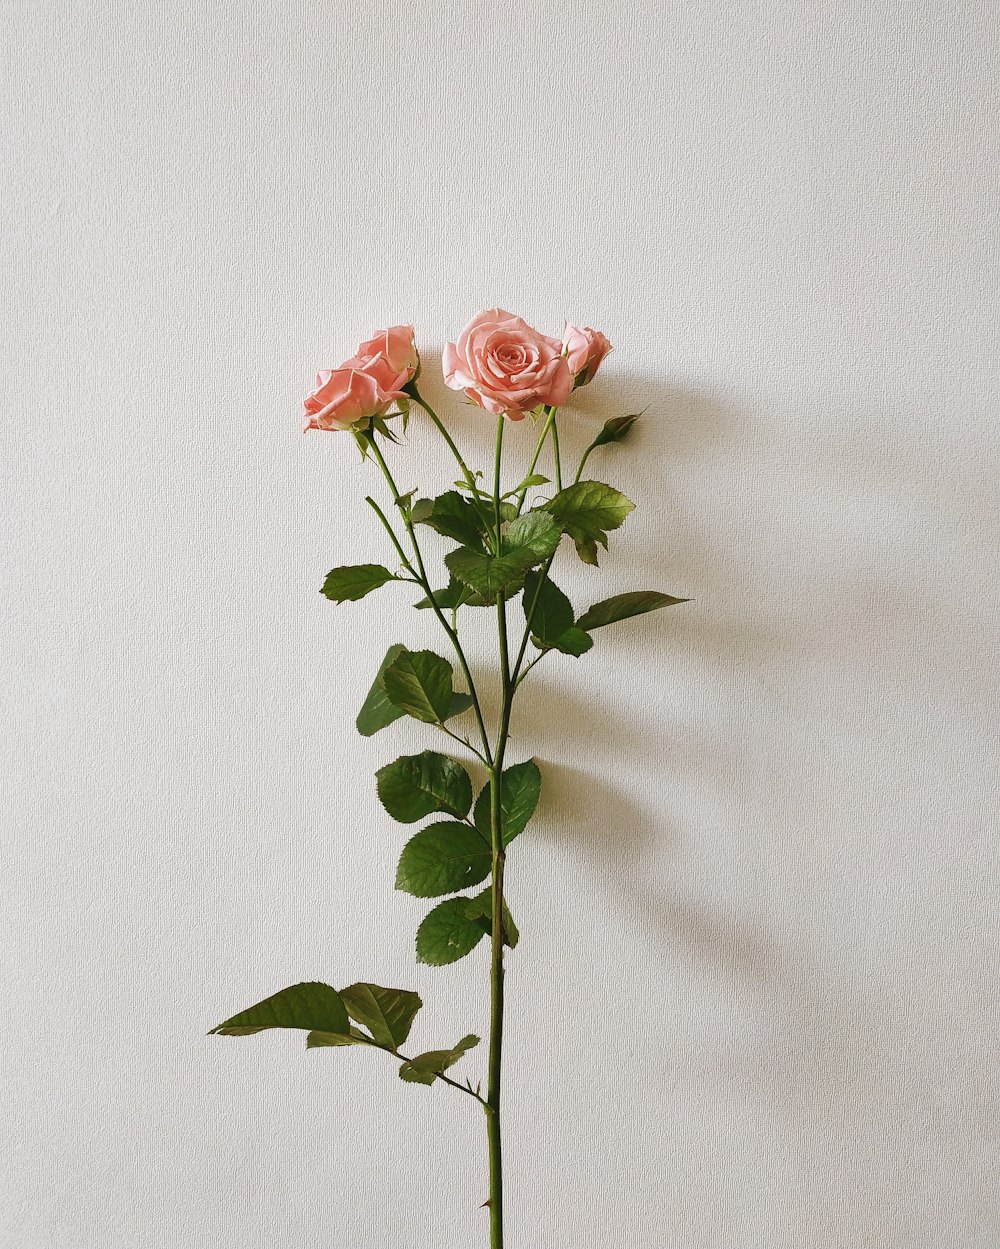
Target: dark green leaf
[
  {"x": 459, "y": 703},
  {"x": 622, "y": 606},
  {"x": 329, "y": 1040},
  {"x": 520, "y": 787},
  {"x": 388, "y": 1014},
  {"x": 615, "y": 430},
  {"x": 456, "y": 517},
  {"x": 311, "y": 1005},
  {"x": 480, "y": 908},
  {"x": 419, "y": 683},
  {"x": 425, "y": 1068},
  {"x": 443, "y": 858},
  {"x": 527, "y": 541},
  {"x": 377, "y": 711},
  {"x": 420, "y": 510},
  {"x": 588, "y": 511},
  {"x": 550, "y": 610},
  {"x": 324, "y": 1040},
  {"x": 415, "y": 785},
  {"x": 354, "y": 581},
  {"x": 447, "y": 934}
]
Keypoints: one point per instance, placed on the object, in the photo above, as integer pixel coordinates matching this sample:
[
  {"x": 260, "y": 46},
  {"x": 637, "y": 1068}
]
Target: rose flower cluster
[{"x": 501, "y": 363}]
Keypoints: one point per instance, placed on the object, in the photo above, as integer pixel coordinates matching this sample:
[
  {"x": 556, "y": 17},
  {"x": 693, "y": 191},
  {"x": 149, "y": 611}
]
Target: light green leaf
[
  {"x": 533, "y": 479},
  {"x": 520, "y": 787},
  {"x": 588, "y": 511},
  {"x": 550, "y": 610},
  {"x": 420, "y": 683},
  {"x": 311, "y": 1005},
  {"x": 447, "y": 934},
  {"x": 415, "y": 785},
  {"x": 388, "y": 1014},
  {"x": 354, "y": 581},
  {"x": 534, "y": 531},
  {"x": 377, "y": 711},
  {"x": 425, "y": 1068},
  {"x": 622, "y": 606},
  {"x": 573, "y": 642},
  {"x": 443, "y": 858},
  {"x": 480, "y": 909},
  {"x": 491, "y": 575}
]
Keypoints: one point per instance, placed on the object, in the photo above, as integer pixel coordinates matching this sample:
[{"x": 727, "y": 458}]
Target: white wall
[{"x": 755, "y": 1003}]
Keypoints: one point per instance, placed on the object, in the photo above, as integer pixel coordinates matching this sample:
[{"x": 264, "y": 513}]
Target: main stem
[{"x": 493, "y": 1130}]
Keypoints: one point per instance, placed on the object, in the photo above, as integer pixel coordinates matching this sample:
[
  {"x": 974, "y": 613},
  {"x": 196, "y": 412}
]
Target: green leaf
[
  {"x": 456, "y": 517},
  {"x": 388, "y": 1014},
  {"x": 415, "y": 785},
  {"x": 447, "y": 934},
  {"x": 533, "y": 479},
  {"x": 534, "y": 531},
  {"x": 425, "y": 1068},
  {"x": 459, "y": 703},
  {"x": 419, "y": 683},
  {"x": 573, "y": 642},
  {"x": 490, "y": 575},
  {"x": 588, "y": 511},
  {"x": 311, "y": 1005},
  {"x": 325, "y": 1040},
  {"x": 354, "y": 581},
  {"x": 528, "y": 540},
  {"x": 615, "y": 430},
  {"x": 622, "y": 606},
  {"x": 443, "y": 858},
  {"x": 480, "y": 908},
  {"x": 550, "y": 610},
  {"x": 420, "y": 510},
  {"x": 520, "y": 787},
  {"x": 377, "y": 711},
  {"x": 455, "y": 594}
]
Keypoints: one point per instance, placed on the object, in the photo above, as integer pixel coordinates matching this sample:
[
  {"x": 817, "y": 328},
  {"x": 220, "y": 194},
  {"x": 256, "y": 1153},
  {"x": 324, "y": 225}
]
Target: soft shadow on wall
[{"x": 819, "y": 704}]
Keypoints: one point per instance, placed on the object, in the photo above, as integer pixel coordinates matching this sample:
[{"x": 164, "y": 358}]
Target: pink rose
[
  {"x": 585, "y": 349},
  {"x": 344, "y": 397},
  {"x": 367, "y": 384},
  {"x": 395, "y": 345},
  {"x": 507, "y": 367}
]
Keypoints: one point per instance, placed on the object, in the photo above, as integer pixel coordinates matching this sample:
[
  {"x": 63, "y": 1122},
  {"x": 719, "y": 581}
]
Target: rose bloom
[
  {"x": 585, "y": 349},
  {"x": 395, "y": 345},
  {"x": 344, "y": 397},
  {"x": 507, "y": 367},
  {"x": 367, "y": 384}
]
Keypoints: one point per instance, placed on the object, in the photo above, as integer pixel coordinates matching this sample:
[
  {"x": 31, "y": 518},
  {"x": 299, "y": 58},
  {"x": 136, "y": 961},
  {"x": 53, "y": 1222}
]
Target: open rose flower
[
  {"x": 585, "y": 349},
  {"x": 507, "y": 367},
  {"x": 397, "y": 349},
  {"x": 367, "y": 384},
  {"x": 344, "y": 397}
]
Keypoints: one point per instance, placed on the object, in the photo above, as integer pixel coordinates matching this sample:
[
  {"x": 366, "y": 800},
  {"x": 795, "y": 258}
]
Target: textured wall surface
[{"x": 755, "y": 1002}]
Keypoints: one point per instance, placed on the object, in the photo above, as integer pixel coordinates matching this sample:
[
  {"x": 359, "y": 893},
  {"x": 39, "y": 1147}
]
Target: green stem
[
  {"x": 555, "y": 449},
  {"x": 498, "y": 455},
  {"x": 534, "y": 459},
  {"x": 442, "y": 430},
  {"x": 436, "y": 607},
  {"x": 493, "y": 1085}
]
